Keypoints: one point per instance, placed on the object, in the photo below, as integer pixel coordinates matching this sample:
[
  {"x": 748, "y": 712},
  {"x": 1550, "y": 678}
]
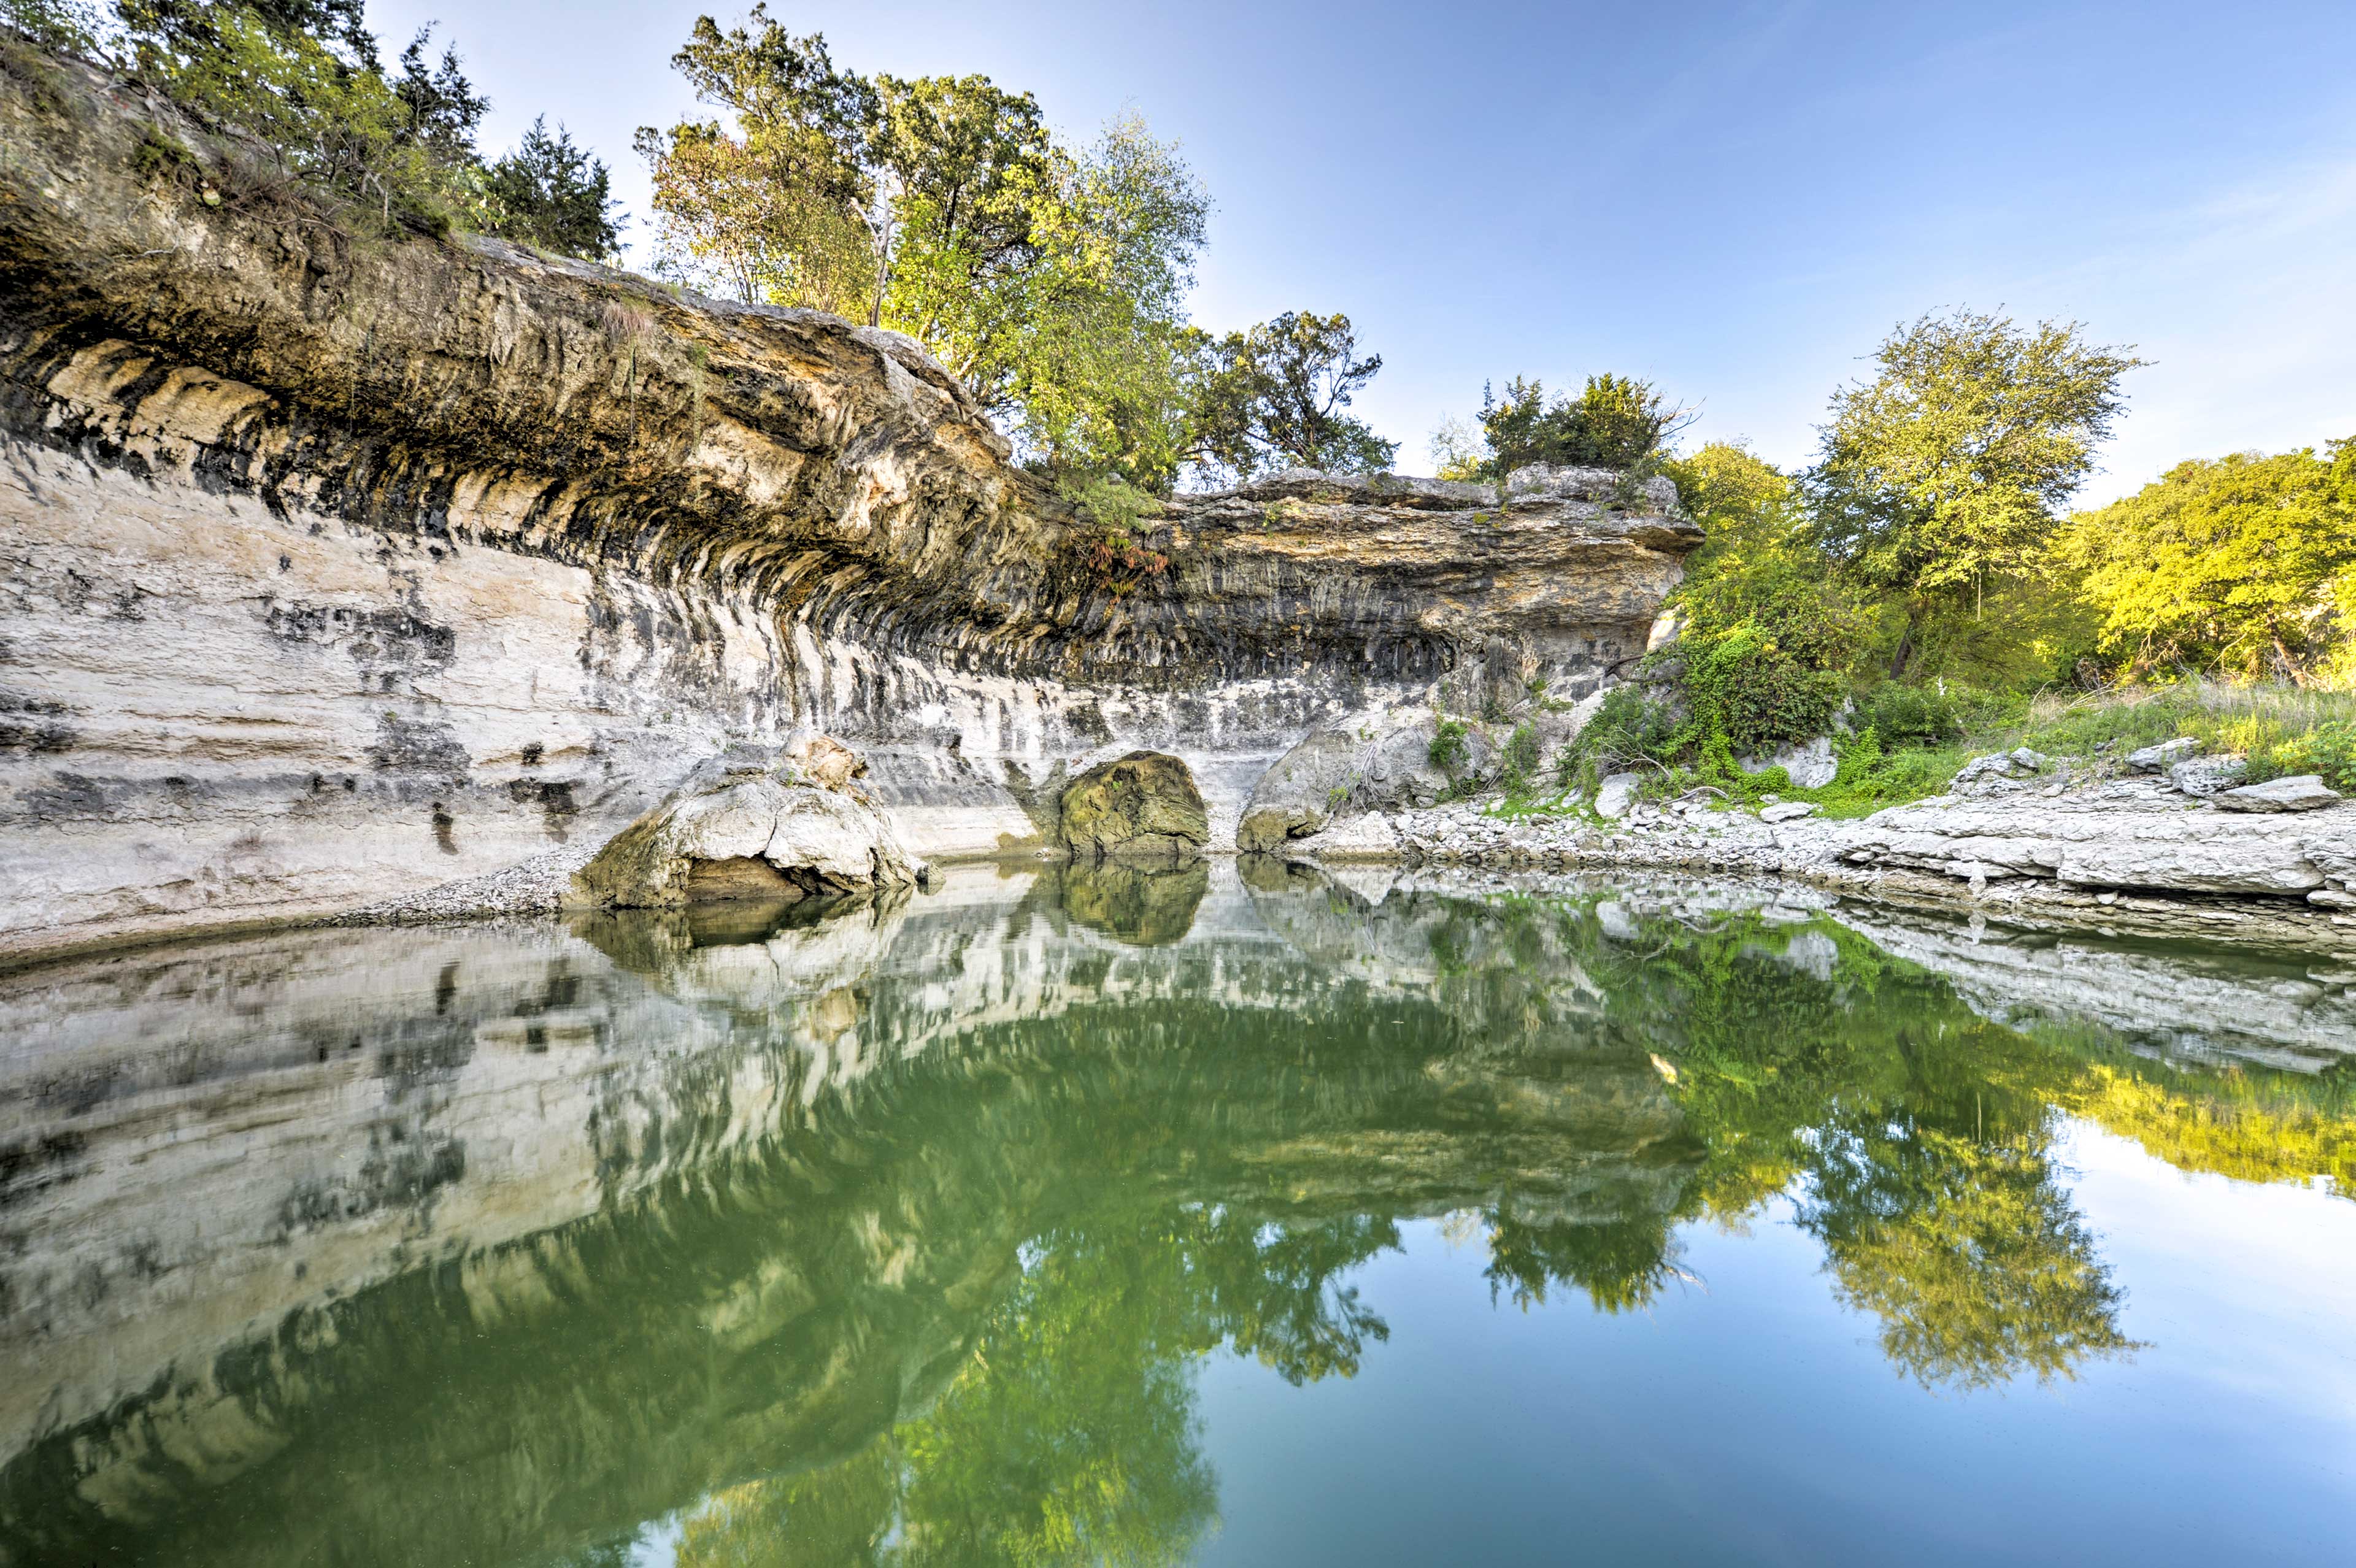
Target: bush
[
  {"x": 1630, "y": 728},
  {"x": 1749, "y": 690},
  {"x": 1448, "y": 750},
  {"x": 1902, "y": 715},
  {"x": 1522, "y": 754}
]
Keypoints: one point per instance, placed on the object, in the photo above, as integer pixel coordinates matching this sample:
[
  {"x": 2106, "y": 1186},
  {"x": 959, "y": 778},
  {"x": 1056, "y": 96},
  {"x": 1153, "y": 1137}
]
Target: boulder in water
[{"x": 1141, "y": 806}]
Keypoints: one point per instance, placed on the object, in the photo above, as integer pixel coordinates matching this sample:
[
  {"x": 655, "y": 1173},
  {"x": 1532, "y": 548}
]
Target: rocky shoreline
[{"x": 2117, "y": 858}]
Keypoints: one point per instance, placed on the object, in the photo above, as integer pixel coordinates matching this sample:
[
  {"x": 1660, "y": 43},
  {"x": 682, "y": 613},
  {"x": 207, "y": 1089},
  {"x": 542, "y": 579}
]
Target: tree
[
  {"x": 187, "y": 28},
  {"x": 444, "y": 110},
  {"x": 1615, "y": 421},
  {"x": 553, "y": 193},
  {"x": 1101, "y": 364},
  {"x": 1273, "y": 395},
  {"x": 1950, "y": 466},
  {"x": 1051, "y": 281},
  {"x": 937, "y": 175},
  {"x": 300, "y": 81},
  {"x": 2241, "y": 562},
  {"x": 1770, "y": 636},
  {"x": 774, "y": 208}
]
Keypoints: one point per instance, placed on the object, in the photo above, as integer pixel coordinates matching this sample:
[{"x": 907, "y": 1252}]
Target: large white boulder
[
  {"x": 752, "y": 825},
  {"x": 1617, "y": 795}
]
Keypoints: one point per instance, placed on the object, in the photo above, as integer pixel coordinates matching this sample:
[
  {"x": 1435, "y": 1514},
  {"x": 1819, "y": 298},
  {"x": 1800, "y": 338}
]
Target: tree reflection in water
[{"x": 947, "y": 1308}]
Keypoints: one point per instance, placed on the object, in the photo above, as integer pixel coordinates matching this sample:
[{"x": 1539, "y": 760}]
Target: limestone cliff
[{"x": 333, "y": 567}]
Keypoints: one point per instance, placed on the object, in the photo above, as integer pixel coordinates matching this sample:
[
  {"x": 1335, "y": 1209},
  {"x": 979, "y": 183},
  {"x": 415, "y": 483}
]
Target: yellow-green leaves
[{"x": 2242, "y": 562}]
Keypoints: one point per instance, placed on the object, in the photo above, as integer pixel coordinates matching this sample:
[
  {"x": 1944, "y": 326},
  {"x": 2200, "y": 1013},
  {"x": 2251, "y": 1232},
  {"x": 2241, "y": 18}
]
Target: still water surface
[{"x": 1225, "y": 1216}]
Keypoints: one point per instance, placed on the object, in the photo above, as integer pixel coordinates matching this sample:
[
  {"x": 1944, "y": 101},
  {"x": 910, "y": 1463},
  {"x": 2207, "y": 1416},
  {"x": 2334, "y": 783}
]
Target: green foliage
[
  {"x": 1770, "y": 637},
  {"x": 1616, "y": 422},
  {"x": 2328, "y": 750},
  {"x": 1110, "y": 501},
  {"x": 1947, "y": 470},
  {"x": 1273, "y": 398},
  {"x": 1631, "y": 728},
  {"x": 552, "y": 194},
  {"x": 1910, "y": 714},
  {"x": 299, "y": 85},
  {"x": 341, "y": 128},
  {"x": 1521, "y": 755},
  {"x": 68, "y": 26},
  {"x": 1051, "y": 281},
  {"x": 1447, "y": 749},
  {"x": 2238, "y": 564}
]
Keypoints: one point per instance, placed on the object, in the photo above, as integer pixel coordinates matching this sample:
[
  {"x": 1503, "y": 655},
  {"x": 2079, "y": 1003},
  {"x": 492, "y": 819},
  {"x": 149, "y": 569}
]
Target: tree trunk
[
  {"x": 2289, "y": 665},
  {"x": 1905, "y": 648}
]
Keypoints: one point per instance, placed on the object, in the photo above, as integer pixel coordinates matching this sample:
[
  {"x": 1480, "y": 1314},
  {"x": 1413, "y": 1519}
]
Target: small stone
[
  {"x": 2034, "y": 762},
  {"x": 2201, "y": 777},
  {"x": 2301, "y": 792},
  {"x": 1786, "y": 811},
  {"x": 2332, "y": 898},
  {"x": 1617, "y": 794},
  {"x": 2160, "y": 758}
]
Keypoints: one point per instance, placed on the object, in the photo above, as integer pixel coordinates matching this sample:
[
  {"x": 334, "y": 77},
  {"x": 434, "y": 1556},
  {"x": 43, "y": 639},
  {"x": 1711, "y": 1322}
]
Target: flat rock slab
[
  {"x": 2181, "y": 850},
  {"x": 2302, "y": 792}
]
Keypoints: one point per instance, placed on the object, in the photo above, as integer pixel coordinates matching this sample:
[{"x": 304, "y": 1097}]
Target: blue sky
[{"x": 1734, "y": 200}]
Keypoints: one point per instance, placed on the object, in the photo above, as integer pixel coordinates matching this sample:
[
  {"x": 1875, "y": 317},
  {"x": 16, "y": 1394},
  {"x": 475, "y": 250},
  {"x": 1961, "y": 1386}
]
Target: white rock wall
[{"x": 211, "y": 713}]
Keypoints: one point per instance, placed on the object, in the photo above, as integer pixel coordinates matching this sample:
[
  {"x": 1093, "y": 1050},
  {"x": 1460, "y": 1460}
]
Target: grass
[{"x": 2281, "y": 729}]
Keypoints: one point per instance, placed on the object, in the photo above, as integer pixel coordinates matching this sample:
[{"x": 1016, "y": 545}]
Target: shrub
[
  {"x": 1747, "y": 689},
  {"x": 1630, "y": 728},
  {"x": 1522, "y": 752},
  {"x": 1447, "y": 749},
  {"x": 1910, "y": 714}
]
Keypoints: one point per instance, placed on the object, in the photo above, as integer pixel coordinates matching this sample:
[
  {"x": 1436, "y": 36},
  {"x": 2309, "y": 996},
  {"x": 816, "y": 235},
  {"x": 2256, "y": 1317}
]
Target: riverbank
[{"x": 2116, "y": 857}]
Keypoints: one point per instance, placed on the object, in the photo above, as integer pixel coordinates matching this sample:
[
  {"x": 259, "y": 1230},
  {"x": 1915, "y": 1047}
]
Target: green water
[{"x": 1219, "y": 1216}]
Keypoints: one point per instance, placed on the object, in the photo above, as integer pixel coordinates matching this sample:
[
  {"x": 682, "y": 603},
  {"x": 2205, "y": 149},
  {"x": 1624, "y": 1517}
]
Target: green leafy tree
[
  {"x": 1051, "y": 281},
  {"x": 444, "y": 110},
  {"x": 1770, "y": 636},
  {"x": 774, "y": 206},
  {"x": 189, "y": 29},
  {"x": 1616, "y": 422},
  {"x": 1274, "y": 396},
  {"x": 549, "y": 193},
  {"x": 2241, "y": 562},
  {"x": 1967, "y": 1249},
  {"x": 1088, "y": 348},
  {"x": 72, "y": 26},
  {"x": 1948, "y": 469},
  {"x": 298, "y": 81}
]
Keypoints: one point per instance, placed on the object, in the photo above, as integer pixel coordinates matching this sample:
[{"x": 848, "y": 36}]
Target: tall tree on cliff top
[
  {"x": 1051, "y": 281},
  {"x": 1274, "y": 396},
  {"x": 1951, "y": 467},
  {"x": 549, "y": 193}
]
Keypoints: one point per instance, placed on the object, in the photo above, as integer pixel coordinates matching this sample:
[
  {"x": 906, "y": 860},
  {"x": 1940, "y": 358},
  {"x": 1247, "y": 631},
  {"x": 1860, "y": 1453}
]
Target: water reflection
[{"x": 894, "y": 1233}]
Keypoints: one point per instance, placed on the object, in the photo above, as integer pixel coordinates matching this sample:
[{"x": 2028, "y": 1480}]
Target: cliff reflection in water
[{"x": 895, "y": 1233}]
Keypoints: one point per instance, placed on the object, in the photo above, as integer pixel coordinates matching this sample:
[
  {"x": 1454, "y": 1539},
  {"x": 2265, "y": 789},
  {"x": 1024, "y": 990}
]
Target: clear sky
[{"x": 1735, "y": 201}]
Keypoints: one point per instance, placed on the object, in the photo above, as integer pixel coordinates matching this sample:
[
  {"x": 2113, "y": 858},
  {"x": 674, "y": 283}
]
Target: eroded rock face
[
  {"x": 1143, "y": 806},
  {"x": 338, "y": 572},
  {"x": 745, "y": 828}
]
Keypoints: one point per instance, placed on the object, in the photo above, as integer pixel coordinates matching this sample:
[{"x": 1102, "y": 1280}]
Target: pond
[{"x": 1230, "y": 1215}]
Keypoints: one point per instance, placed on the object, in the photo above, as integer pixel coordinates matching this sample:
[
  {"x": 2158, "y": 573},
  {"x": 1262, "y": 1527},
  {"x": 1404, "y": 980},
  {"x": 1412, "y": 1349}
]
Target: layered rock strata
[
  {"x": 2118, "y": 856},
  {"x": 335, "y": 568}
]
